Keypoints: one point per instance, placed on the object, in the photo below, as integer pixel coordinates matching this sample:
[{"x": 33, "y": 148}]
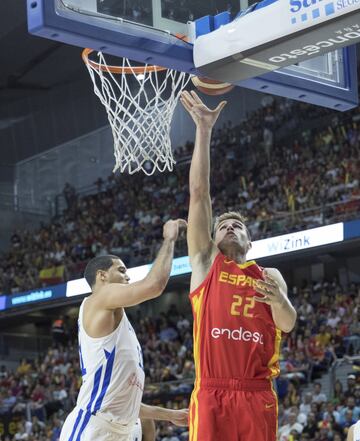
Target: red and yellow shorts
[{"x": 233, "y": 410}]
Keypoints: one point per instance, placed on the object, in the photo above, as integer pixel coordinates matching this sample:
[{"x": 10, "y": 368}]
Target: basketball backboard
[
  {"x": 166, "y": 15},
  {"x": 152, "y": 31}
]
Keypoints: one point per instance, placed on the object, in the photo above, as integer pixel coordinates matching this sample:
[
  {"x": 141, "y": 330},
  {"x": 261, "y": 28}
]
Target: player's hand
[
  {"x": 172, "y": 228},
  {"x": 180, "y": 417},
  {"x": 269, "y": 288},
  {"x": 202, "y": 116}
]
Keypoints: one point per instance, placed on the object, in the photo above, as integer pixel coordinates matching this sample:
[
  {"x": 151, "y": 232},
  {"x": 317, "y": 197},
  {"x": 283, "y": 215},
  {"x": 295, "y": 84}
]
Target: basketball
[{"x": 211, "y": 87}]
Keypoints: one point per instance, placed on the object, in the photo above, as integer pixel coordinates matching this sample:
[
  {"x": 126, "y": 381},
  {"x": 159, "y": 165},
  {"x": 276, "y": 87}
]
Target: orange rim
[
  {"x": 119, "y": 69},
  {"x": 182, "y": 37}
]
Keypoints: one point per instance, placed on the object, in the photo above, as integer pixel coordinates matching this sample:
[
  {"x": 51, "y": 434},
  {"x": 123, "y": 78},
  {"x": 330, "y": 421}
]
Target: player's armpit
[{"x": 200, "y": 265}]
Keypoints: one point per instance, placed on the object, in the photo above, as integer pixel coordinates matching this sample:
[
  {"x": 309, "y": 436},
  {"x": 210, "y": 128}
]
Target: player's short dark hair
[{"x": 96, "y": 264}]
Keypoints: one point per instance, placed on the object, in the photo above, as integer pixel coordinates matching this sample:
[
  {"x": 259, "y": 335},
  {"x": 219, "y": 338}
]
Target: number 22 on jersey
[{"x": 242, "y": 306}]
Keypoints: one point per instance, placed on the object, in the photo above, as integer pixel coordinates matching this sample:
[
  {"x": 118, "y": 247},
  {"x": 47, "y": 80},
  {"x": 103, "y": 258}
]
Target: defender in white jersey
[
  {"x": 354, "y": 432},
  {"x": 109, "y": 401}
]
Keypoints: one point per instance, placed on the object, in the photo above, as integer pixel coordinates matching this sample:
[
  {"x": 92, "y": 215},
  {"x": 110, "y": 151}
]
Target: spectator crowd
[
  {"x": 37, "y": 396},
  {"x": 280, "y": 183}
]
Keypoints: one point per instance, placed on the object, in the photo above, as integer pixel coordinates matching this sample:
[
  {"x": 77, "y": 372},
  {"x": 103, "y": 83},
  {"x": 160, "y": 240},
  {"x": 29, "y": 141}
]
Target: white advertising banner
[{"x": 301, "y": 240}]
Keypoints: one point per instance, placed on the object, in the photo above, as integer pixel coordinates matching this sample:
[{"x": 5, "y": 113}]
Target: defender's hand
[
  {"x": 172, "y": 228},
  {"x": 180, "y": 417},
  {"x": 202, "y": 116},
  {"x": 269, "y": 288}
]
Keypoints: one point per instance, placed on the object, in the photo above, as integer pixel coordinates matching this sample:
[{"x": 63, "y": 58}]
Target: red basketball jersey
[{"x": 234, "y": 336}]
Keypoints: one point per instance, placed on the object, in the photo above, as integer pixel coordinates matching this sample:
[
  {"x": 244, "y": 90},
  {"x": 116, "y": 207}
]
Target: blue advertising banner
[{"x": 34, "y": 296}]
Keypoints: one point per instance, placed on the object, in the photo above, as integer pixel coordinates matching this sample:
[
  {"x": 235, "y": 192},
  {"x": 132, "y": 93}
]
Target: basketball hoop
[{"x": 140, "y": 103}]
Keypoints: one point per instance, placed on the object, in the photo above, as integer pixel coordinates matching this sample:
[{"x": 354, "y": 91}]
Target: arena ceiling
[
  {"x": 35, "y": 74},
  {"x": 30, "y": 65}
]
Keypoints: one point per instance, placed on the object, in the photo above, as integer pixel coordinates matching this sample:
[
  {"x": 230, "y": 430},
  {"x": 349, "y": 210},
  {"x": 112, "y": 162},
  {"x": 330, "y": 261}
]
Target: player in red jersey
[{"x": 239, "y": 308}]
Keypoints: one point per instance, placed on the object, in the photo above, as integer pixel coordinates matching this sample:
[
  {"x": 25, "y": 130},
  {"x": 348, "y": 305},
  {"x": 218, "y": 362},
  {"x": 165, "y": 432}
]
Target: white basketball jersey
[
  {"x": 357, "y": 431},
  {"x": 112, "y": 371}
]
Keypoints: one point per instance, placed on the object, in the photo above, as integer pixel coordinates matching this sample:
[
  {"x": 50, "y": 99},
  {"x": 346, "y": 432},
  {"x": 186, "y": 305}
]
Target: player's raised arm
[
  {"x": 200, "y": 211},
  {"x": 110, "y": 293}
]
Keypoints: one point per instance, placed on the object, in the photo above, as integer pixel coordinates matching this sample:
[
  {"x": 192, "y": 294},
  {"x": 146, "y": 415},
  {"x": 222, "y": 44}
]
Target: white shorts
[{"x": 80, "y": 426}]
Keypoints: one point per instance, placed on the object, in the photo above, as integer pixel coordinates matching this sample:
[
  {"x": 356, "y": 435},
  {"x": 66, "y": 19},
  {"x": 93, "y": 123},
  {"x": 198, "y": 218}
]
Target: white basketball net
[{"x": 140, "y": 112}]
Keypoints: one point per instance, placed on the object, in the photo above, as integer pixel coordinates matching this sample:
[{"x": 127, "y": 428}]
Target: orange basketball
[{"x": 211, "y": 87}]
